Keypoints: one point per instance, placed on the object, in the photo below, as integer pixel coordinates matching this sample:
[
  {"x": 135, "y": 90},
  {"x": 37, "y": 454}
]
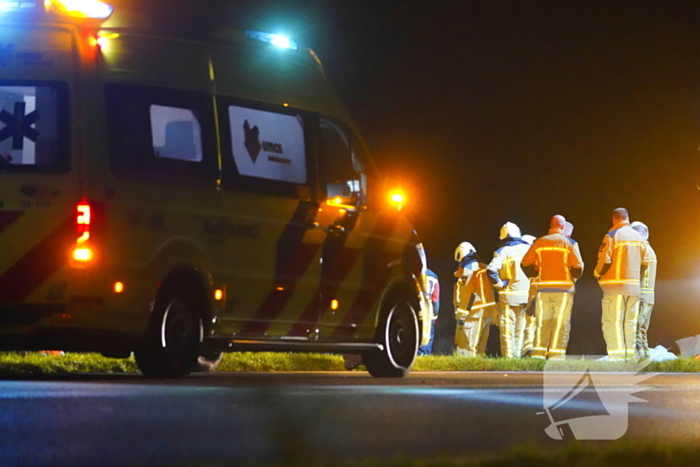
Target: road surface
[{"x": 231, "y": 418}]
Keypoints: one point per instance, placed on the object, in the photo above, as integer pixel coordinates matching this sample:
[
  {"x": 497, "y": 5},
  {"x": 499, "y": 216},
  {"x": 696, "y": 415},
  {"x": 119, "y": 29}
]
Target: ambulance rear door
[{"x": 38, "y": 181}]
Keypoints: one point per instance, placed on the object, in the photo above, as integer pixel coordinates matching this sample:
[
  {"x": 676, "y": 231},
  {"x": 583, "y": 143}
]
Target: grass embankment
[
  {"x": 34, "y": 363},
  {"x": 456, "y": 363}
]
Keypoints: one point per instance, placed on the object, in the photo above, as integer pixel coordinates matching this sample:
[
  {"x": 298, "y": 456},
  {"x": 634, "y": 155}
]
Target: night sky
[{"x": 492, "y": 111}]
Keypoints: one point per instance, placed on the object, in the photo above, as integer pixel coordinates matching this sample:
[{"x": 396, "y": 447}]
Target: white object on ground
[
  {"x": 661, "y": 354},
  {"x": 689, "y": 346},
  {"x": 656, "y": 354}
]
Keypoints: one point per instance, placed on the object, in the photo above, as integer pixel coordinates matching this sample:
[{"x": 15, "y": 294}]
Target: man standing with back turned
[
  {"x": 554, "y": 264},
  {"x": 646, "y": 296},
  {"x": 513, "y": 287},
  {"x": 621, "y": 260}
]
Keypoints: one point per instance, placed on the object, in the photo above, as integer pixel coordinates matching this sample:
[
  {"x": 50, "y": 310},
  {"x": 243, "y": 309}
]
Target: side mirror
[{"x": 342, "y": 194}]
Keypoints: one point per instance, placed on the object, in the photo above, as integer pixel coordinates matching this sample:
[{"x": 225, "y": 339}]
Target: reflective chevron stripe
[
  {"x": 38, "y": 264},
  {"x": 376, "y": 273},
  {"x": 293, "y": 259}
]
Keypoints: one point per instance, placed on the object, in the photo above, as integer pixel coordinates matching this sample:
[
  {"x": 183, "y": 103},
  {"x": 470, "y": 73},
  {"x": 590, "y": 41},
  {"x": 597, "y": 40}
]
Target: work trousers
[
  {"x": 620, "y": 317},
  {"x": 472, "y": 332},
  {"x": 529, "y": 337},
  {"x": 511, "y": 322},
  {"x": 427, "y": 349},
  {"x": 642, "y": 328},
  {"x": 553, "y": 321}
]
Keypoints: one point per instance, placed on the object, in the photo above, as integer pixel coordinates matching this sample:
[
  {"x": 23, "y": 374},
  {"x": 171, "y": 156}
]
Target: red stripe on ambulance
[
  {"x": 374, "y": 277},
  {"x": 330, "y": 283},
  {"x": 38, "y": 265},
  {"x": 7, "y": 218},
  {"x": 293, "y": 259}
]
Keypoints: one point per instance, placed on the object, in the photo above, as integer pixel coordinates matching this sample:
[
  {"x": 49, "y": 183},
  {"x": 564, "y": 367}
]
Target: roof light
[
  {"x": 22, "y": 5},
  {"x": 277, "y": 40},
  {"x": 80, "y": 8}
]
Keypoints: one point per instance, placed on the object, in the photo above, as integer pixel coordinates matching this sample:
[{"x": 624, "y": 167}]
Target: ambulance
[{"x": 177, "y": 199}]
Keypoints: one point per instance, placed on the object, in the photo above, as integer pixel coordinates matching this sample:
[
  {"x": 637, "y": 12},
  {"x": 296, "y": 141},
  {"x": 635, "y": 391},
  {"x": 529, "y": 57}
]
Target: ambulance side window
[
  {"x": 34, "y": 127},
  {"x": 176, "y": 133},
  {"x": 160, "y": 133},
  {"x": 345, "y": 176}
]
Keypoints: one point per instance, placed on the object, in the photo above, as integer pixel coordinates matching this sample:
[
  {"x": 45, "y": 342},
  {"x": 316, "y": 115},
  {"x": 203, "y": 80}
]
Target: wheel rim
[
  {"x": 402, "y": 335},
  {"x": 179, "y": 332}
]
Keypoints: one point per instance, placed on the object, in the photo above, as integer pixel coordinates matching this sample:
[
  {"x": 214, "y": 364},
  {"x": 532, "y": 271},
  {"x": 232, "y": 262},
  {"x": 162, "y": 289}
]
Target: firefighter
[
  {"x": 433, "y": 291},
  {"x": 530, "y": 323},
  {"x": 646, "y": 296},
  {"x": 622, "y": 261},
  {"x": 474, "y": 303},
  {"x": 554, "y": 263},
  {"x": 513, "y": 287}
]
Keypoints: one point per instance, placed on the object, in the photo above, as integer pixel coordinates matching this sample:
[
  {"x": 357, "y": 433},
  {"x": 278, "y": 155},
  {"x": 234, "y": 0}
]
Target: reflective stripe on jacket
[
  {"x": 553, "y": 255},
  {"x": 507, "y": 276},
  {"x": 648, "y": 282},
  {"x": 473, "y": 291},
  {"x": 620, "y": 260}
]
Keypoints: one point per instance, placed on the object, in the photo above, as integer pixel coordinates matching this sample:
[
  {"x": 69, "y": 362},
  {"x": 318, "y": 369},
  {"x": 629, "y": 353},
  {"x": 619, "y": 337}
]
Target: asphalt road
[{"x": 232, "y": 418}]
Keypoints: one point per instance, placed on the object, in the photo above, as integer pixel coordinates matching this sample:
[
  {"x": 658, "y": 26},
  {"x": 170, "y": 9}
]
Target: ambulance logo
[
  {"x": 19, "y": 126},
  {"x": 252, "y": 141},
  {"x": 578, "y": 407}
]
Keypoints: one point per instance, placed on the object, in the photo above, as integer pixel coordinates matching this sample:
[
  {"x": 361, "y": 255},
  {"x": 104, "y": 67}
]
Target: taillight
[{"x": 82, "y": 253}]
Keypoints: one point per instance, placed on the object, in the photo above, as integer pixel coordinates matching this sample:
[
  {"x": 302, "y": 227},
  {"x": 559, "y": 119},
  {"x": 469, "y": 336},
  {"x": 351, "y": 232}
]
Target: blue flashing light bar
[
  {"x": 95, "y": 9},
  {"x": 18, "y": 5},
  {"x": 275, "y": 39}
]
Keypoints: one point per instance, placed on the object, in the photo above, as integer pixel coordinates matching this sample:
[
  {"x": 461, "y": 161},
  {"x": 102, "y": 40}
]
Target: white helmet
[
  {"x": 641, "y": 228},
  {"x": 464, "y": 249},
  {"x": 510, "y": 230},
  {"x": 568, "y": 229},
  {"x": 529, "y": 239}
]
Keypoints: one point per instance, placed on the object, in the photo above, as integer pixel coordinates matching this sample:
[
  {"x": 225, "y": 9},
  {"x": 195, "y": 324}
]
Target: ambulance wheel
[
  {"x": 208, "y": 361},
  {"x": 171, "y": 346},
  {"x": 398, "y": 335}
]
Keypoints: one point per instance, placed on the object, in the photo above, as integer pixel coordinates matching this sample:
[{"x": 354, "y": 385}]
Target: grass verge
[
  {"x": 14, "y": 364},
  {"x": 17, "y": 364}
]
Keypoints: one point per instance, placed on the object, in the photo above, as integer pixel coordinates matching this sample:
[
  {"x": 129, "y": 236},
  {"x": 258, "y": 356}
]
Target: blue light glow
[
  {"x": 274, "y": 39},
  {"x": 22, "y": 5}
]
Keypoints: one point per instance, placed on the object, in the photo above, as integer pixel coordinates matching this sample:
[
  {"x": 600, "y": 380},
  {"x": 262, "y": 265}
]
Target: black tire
[
  {"x": 171, "y": 346},
  {"x": 208, "y": 361},
  {"x": 398, "y": 334}
]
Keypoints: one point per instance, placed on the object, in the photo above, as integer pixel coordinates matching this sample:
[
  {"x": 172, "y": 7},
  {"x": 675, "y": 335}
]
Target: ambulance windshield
[{"x": 33, "y": 127}]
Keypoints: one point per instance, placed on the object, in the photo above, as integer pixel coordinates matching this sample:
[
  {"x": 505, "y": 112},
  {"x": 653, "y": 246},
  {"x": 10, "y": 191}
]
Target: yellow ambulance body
[{"x": 179, "y": 199}]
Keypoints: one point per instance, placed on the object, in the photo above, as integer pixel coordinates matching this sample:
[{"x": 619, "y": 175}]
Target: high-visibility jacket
[
  {"x": 620, "y": 260},
  {"x": 506, "y": 275},
  {"x": 473, "y": 290},
  {"x": 648, "y": 281},
  {"x": 555, "y": 257},
  {"x": 577, "y": 251},
  {"x": 433, "y": 291}
]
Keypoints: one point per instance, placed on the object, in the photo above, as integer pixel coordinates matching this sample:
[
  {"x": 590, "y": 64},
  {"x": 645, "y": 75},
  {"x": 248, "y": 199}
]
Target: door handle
[
  {"x": 310, "y": 225},
  {"x": 335, "y": 229}
]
